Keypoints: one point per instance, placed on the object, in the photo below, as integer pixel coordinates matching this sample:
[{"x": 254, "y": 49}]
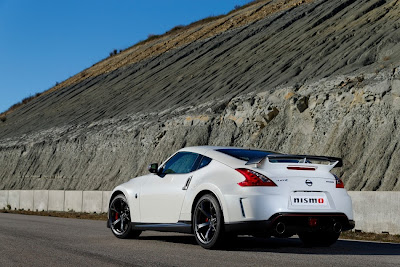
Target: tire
[
  {"x": 208, "y": 222},
  {"x": 119, "y": 218},
  {"x": 319, "y": 239}
]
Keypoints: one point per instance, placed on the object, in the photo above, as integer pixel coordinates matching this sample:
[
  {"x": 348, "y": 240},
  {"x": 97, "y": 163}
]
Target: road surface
[{"x": 27, "y": 240}]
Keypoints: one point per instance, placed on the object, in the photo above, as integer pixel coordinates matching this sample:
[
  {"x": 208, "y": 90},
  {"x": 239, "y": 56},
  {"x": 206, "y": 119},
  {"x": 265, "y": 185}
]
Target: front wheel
[
  {"x": 319, "y": 239},
  {"x": 208, "y": 222},
  {"x": 120, "y": 218}
]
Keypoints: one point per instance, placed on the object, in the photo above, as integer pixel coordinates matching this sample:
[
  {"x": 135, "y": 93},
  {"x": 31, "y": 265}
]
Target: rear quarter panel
[{"x": 216, "y": 178}]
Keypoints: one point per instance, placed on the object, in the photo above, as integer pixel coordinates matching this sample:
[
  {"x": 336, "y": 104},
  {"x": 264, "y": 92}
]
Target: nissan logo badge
[{"x": 308, "y": 182}]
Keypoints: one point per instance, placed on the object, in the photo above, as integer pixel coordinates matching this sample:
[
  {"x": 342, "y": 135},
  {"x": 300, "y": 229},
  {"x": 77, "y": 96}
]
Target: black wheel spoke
[
  {"x": 201, "y": 208},
  {"x": 202, "y": 225},
  {"x": 207, "y": 238},
  {"x": 212, "y": 211},
  {"x": 116, "y": 221},
  {"x": 205, "y": 213}
]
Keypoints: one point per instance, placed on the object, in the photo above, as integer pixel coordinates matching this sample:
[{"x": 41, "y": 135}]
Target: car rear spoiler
[{"x": 338, "y": 162}]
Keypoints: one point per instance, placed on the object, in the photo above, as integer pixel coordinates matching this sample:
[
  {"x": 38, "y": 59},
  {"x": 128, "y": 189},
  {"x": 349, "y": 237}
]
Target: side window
[
  {"x": 182, "y": 162},
  {"x": 201, "y": 162},
  {"x": 204, "y": 162}
]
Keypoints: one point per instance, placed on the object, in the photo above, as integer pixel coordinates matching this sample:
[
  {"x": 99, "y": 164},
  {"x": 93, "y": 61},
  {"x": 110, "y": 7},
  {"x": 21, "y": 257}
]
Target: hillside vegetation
[{"x": 315, "y": 77}]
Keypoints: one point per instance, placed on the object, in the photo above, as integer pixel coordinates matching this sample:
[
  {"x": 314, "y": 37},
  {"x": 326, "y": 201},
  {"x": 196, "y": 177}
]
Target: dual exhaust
[{"x": 280, "y": 227}]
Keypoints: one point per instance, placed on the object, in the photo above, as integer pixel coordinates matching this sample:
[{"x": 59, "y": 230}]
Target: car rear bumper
[{"x": 293, "y": 223}]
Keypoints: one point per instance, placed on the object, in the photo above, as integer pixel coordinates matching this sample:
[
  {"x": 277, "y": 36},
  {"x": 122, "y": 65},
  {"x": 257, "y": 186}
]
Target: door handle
[{"x": 187, "y": 183}]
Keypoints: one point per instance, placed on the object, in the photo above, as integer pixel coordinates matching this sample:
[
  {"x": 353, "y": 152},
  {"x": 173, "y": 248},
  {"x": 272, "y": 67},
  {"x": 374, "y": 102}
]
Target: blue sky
[{"x": 47, "y": 41}]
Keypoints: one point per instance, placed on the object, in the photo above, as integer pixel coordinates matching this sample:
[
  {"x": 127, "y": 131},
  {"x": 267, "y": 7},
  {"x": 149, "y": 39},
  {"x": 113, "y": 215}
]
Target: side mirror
[{"x": 153, "y": 167}]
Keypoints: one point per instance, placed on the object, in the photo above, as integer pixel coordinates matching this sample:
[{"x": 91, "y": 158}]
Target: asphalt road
[{"x": 47, "y": 241}]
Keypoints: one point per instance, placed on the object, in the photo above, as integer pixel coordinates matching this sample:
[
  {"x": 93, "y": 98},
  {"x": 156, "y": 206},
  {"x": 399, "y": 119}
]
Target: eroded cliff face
[
  {"x": 354, "y": 117},
  {"x": 317, "y": 77}
]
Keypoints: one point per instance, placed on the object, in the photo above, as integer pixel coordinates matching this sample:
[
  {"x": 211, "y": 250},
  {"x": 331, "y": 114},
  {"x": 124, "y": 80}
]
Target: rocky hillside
[{"x": 315, "y": 77}]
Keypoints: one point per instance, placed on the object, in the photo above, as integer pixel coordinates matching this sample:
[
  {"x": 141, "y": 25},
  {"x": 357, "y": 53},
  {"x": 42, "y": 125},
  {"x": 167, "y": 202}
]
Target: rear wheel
[
  {"x": 208, "y": 222},
  {"x": 120, "y": 218},
  {"x": 319, "y": 239}
]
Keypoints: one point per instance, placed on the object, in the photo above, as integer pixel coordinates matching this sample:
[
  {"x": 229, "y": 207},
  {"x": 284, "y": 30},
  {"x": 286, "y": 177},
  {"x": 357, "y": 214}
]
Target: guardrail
[
  {"x": 55, "y": 200},
  {"x": 377, "y": 212}
]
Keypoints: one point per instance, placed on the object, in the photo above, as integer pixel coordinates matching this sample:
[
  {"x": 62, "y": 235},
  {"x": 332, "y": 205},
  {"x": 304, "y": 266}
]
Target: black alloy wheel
[
  {"x": 208, "y": 222},
  {"x": 120, "y": 219}
]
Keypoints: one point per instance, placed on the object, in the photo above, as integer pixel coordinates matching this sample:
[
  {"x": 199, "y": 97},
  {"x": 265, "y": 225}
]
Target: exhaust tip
[
  {"x": 280, "y": 228},
  {"x": 337, "y": 227}
]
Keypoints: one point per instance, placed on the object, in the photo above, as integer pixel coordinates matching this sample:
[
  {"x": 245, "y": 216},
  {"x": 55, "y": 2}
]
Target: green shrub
[
  {"x": 114, "y": 52},
  {"x": 152, "y": 37},
  {"x": 176, "y": 29}
]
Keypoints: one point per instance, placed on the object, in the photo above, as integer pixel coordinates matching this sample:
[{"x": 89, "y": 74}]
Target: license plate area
[{"x": 309, "y": 200}]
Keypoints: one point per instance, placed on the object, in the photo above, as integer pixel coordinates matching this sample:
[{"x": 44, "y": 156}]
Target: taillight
[
  {"x": 253, "y": 178},
  {"x": 339, "y": 182}
]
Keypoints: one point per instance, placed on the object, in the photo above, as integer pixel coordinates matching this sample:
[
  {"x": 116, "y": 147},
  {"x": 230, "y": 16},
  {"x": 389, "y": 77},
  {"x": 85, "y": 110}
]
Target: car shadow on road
[
  {"x": 295, "y": 246},
  {"x": 289, "y": 245},
  {"x": 178, "y": 239}
]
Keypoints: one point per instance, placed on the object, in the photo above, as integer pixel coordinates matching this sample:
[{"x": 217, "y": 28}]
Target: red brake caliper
[{"x": 116, "y": 216}]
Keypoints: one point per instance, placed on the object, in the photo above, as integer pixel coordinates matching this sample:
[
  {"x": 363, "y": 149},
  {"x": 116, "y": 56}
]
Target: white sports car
[{"x": 215, "y": 192}]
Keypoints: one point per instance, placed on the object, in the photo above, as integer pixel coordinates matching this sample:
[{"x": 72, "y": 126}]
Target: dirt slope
[{"x": 339, "y": 58}]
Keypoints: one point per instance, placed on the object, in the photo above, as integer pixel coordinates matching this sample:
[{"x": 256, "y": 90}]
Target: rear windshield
[{"x": 246, "y": 154}]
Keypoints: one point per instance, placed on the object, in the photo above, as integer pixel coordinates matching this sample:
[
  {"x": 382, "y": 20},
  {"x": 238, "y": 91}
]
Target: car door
[{"x": 162, "y": 194}]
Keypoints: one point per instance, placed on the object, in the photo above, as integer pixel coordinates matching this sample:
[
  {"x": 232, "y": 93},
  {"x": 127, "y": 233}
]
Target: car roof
[
  {"x": 204, "y": 149},
  {"x": 212, "y": 152}
]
